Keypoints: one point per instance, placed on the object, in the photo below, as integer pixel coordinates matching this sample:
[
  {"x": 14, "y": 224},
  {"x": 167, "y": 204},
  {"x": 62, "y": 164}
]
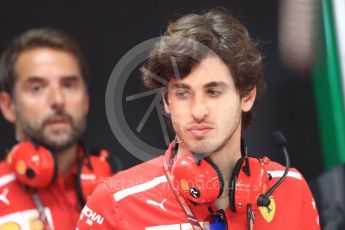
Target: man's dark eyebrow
[
  {"x": 179, "y": 86},
  {"x": 70, "y": 78},
  {"x": 37, "y": 79},
  {"x": 215, "y": 84},
  {"x": 33, "y": 79}
]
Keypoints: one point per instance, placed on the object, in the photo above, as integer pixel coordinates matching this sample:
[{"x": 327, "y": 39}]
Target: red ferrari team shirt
[
  {"x": 141, "y": 198},
  {"x": 19, "y": 211}
]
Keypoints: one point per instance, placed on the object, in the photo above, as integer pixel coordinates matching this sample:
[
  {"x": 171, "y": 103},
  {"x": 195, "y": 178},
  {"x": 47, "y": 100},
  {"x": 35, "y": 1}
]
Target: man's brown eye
[{"x": 214, "y": 92}]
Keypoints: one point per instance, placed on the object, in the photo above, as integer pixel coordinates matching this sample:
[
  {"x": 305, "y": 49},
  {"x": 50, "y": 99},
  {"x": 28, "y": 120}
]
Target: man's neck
[
  {"x": 66, "y": 159},
  {"x": 225, "y": 159}
]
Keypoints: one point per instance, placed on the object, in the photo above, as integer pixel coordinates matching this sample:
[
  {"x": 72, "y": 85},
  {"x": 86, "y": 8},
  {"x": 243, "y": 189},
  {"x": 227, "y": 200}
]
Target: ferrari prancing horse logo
[{"x": 268, "y": 212}]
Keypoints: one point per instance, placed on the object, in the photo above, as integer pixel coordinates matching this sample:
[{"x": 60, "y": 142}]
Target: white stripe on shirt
[
  {"x": 139, "y": 188},
  {"x": 279, "y": 173},
  {"x": 7, "y": 179}
]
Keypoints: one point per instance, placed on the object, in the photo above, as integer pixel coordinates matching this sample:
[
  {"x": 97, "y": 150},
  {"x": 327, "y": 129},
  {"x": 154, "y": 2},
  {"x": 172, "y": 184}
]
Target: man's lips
[
  {"x": 199, "y": 130},
  {"x": 58, "y": 120}
]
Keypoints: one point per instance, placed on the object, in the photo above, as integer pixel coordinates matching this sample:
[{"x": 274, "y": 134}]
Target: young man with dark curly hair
[{"x": 210, "y": 73}]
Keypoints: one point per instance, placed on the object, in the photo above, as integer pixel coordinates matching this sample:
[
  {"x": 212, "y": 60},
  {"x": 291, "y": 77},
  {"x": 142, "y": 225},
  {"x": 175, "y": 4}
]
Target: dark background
[{"x": 108, "y": 29}]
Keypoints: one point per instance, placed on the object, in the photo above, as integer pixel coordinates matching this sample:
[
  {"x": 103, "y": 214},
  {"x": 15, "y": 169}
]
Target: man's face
[
  {"x": 50, "y": 99},
  {"x": 205, "y": 106}
]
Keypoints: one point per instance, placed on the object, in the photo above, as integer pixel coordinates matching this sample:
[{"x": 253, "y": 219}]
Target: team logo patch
[
  {"x": 10, "y": 226},
  {"x": 27, "y": 219},
  {"x": 35, "y": 222},
  {"x": 268, "y": 212},
  {"x": 184, "y": 185},
  {"x": 91, "y": 216},
  {"x": 21, "y": 167},
  {"x": 3, "y": 196},
  {"x": 194, "y": 192}
]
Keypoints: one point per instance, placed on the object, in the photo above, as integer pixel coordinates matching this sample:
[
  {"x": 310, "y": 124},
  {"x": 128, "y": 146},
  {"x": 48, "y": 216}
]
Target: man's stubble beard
[
  {"x": 36, "y": 133},
  {"x": 208, "y": 146}
]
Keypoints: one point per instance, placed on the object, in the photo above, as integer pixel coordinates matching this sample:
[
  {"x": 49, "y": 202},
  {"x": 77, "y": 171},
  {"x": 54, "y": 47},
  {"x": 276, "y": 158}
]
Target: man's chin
[
  {"x": 56, "y": 131},
  {"x": 58, "y": 142},
  {"x": 202, "y": 147}
]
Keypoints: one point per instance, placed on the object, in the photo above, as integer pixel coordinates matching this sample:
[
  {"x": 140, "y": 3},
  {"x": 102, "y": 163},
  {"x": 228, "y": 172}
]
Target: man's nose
[
  {"x": 199, "y": 108},
  {"x": 57, "y": 98}
]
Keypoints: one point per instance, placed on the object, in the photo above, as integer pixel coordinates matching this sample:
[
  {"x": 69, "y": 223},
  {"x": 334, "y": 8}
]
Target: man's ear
[
  {"x": 165, "y": 99},
  {"x": 7, "y": 107},
  {"x": 87, "y": 103},
  {"x": 248, "y": 100}
]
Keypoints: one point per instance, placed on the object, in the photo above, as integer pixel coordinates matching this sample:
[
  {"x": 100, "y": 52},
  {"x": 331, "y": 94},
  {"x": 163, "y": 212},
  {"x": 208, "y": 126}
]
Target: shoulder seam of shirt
[
  {"x": 7, "y": 179},
  {"x": 279, "y": 173},
  {"x": 119, "y": 195}
]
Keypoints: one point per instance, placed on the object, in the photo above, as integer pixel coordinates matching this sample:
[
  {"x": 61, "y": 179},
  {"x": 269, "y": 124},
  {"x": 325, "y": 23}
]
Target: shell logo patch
[
  {"x": 184, "y": 185},
  {"x": 10, "y": 226},
  {"x": 35, "y": 222},
  {"x": 268, "y": 212},
  {"x": 21, "y": 167}
]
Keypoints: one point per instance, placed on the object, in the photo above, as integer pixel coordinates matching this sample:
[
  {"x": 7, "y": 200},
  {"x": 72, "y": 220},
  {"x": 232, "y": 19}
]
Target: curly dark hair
[
  {"x": 186, "y": 41},
  {"x": 32, "y": 39}
]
